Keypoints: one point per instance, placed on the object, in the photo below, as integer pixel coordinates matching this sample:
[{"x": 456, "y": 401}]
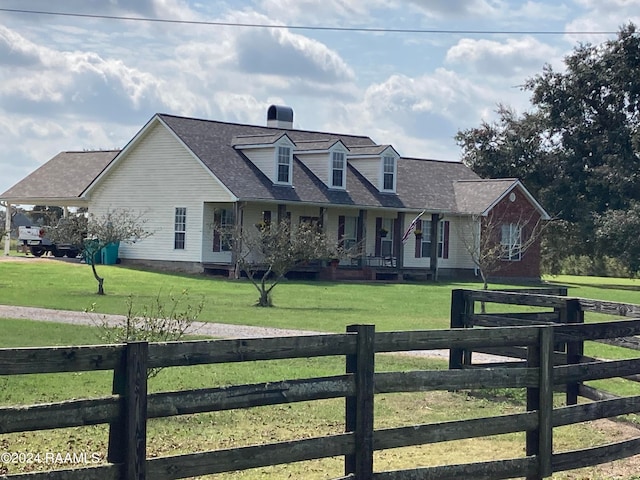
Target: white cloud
[
  {"x": 313, "y": 12},
  {"x": 80, "y": 82},
  {"x": 513, "y": 57},
  {"x": 142, "y": 8},
  {"x": 282, "y": 53},
  {"x": 541, "y": 11},
  {"x": 457, "y": 8},
  {"x": 420, "y": 115},
  {"x": 601, "y": 16}
]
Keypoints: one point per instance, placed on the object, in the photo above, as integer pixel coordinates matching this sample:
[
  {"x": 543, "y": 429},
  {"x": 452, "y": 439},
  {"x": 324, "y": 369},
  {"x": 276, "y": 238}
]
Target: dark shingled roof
[
  {"x": 431, "y": 185},
  {"x": 314, "y": 145},
  {"x": 62, "y": 180},
  {"x": 369, "y": 150},
  {"x": 421, "y": 184},
  {"x": 267, "y": 139},
  {"x": 476, "y": 196}
]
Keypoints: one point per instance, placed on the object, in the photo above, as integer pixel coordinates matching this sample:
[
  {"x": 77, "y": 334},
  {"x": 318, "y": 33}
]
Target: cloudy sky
[{"x": 77, "y": 82}]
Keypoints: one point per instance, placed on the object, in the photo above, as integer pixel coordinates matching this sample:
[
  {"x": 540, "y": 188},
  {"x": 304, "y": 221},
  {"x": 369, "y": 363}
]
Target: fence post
[
  {"x": 128, "y": 436},
  {"x": 533, "y": 403},
  {"x": 458, "y": 310},
  {"x": 575, "y": 348},
  {"x": 359, "y": 409},
  {"x": 540, "y": 398},
  {"x": 545, "y": 417}
]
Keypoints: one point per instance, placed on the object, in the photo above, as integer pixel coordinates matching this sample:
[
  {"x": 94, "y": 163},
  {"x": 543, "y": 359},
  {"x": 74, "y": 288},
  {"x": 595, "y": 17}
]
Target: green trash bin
[{"x": 109, "y": 253}]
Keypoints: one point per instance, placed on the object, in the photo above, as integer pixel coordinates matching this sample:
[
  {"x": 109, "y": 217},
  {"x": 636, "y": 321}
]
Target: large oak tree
[{"x": 577, "y": 150}]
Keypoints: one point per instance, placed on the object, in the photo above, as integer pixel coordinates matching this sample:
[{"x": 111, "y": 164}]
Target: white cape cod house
[{"x": 191, "y": 175}]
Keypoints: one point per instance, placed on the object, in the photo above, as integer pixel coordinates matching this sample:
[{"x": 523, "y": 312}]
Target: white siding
[
  {"x": 462, "y": 234},
  {"x": 264, "y": 159},
  {"x": 369, "y": 168},
  {"x": 332, "y": 217},
  {"x": 318, "y": 163},
  {"x": 409, "y": 258},
  {"x": 208, "y": 255},
  {"x": 459, "y": 234},
  {"x": 155, "y": 176},
  {"x": 252, "y": 214},
  {"x": 370, "y": 229}
]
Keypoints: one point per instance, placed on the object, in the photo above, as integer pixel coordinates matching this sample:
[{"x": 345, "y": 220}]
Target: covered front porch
[{"x": 374, "y": 237}]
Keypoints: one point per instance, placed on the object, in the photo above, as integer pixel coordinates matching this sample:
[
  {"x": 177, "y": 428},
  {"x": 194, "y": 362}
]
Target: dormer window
[
  {"x": 284, "y": 165},
  {"x": 338, "y": 166},
  {"x": 388, "y": 174}
]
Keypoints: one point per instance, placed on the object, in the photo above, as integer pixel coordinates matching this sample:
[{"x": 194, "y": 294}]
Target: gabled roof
[
  {"x": 370, "y": 150},
  {"x": 433, "y": 185},
  {"x": 430, "y": 184},
  {"x": 478, "y": 197},
  {"x": 62, "y": 180},
  {"x": 421, "y": 184},
  {"x": 263, "y": 139},
  {"x": 315, "y": 145}
]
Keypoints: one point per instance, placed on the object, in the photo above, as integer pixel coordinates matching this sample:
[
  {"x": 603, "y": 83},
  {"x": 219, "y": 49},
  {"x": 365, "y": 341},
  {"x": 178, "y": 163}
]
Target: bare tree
[
  {"x": 97, "y": 232},
  {"x": 268, "y": 252},
  {"x": 498, "y": 237},
  {"x": 166, "y": 319}
]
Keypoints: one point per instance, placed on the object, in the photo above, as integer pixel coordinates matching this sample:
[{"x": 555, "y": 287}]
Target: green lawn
[
  {"x": 303, "y": 305},
  {"x": 320, "y": 306}
]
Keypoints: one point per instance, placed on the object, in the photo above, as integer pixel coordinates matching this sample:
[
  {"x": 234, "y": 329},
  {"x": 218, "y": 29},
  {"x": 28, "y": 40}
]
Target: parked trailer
[{"x": 38, "y": 244}]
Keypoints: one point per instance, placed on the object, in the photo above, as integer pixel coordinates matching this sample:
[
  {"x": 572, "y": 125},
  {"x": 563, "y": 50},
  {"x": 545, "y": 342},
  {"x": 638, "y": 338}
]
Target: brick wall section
[{"x": 516, "y": 212}]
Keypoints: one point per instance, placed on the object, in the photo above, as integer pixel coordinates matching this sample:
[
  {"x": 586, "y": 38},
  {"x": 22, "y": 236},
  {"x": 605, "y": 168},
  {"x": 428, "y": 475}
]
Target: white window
[
  {"x": 350, "y": 236},
  {"x": 180, "y": 228},
  {"x": 222, "y": 236},
  {"x": 386, "y": 241},
  {"x": 337, "y": 170},
  {"x": 284, "y": 165},
  {"x": 511, "y": 241},
  {"x": 388, "y": 173},
  {"x": 426, "y": 238}
]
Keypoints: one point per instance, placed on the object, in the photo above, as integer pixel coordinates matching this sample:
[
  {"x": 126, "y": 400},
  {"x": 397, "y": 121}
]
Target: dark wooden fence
[
  {"x": 129, "y": 408},
  {"x": 555, "y": 308}
]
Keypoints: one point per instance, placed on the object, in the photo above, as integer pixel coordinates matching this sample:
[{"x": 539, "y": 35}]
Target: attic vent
[{"x": 280, "y": 116}]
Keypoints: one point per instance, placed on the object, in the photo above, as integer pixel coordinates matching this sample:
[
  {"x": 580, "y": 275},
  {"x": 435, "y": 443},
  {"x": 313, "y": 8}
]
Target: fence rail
[
  {"x": 569, "y": 348},
  {"x": 128, "y": 409}
]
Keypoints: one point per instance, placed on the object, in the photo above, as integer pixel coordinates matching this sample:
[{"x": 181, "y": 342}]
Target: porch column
[
  {"x": 322, "y": 217},
  {"x": 399, "y": 246},
  {"x": 282, "y": 213},
  {"x": 361, "y": 235},
  {"x": 238, "y": 212},
  {"x": 7, "y": 227},
  {"x": 435, "y": 220}
]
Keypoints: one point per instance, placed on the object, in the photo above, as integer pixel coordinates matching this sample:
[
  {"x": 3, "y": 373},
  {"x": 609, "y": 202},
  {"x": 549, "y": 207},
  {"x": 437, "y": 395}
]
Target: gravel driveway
[{"x": 208, "y": 329}]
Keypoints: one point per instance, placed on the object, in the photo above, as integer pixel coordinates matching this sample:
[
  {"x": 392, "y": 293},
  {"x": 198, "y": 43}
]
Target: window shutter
[
  {"x": 341, "y": 222},
  {"x": 445, "y": 246},
  {"x": 377, "y": 233},
  {"x": 217, "y": 220},
  {"x": 418, "y": 251},
  {"x": 266, "y": 217}
]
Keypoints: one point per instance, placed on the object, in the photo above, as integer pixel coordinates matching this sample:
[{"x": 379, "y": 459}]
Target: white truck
[{"x": 34, "y": 239}]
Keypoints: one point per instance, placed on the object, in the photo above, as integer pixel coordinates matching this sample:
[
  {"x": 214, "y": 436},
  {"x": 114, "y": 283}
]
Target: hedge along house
[{"x": 191, "y": 176}]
